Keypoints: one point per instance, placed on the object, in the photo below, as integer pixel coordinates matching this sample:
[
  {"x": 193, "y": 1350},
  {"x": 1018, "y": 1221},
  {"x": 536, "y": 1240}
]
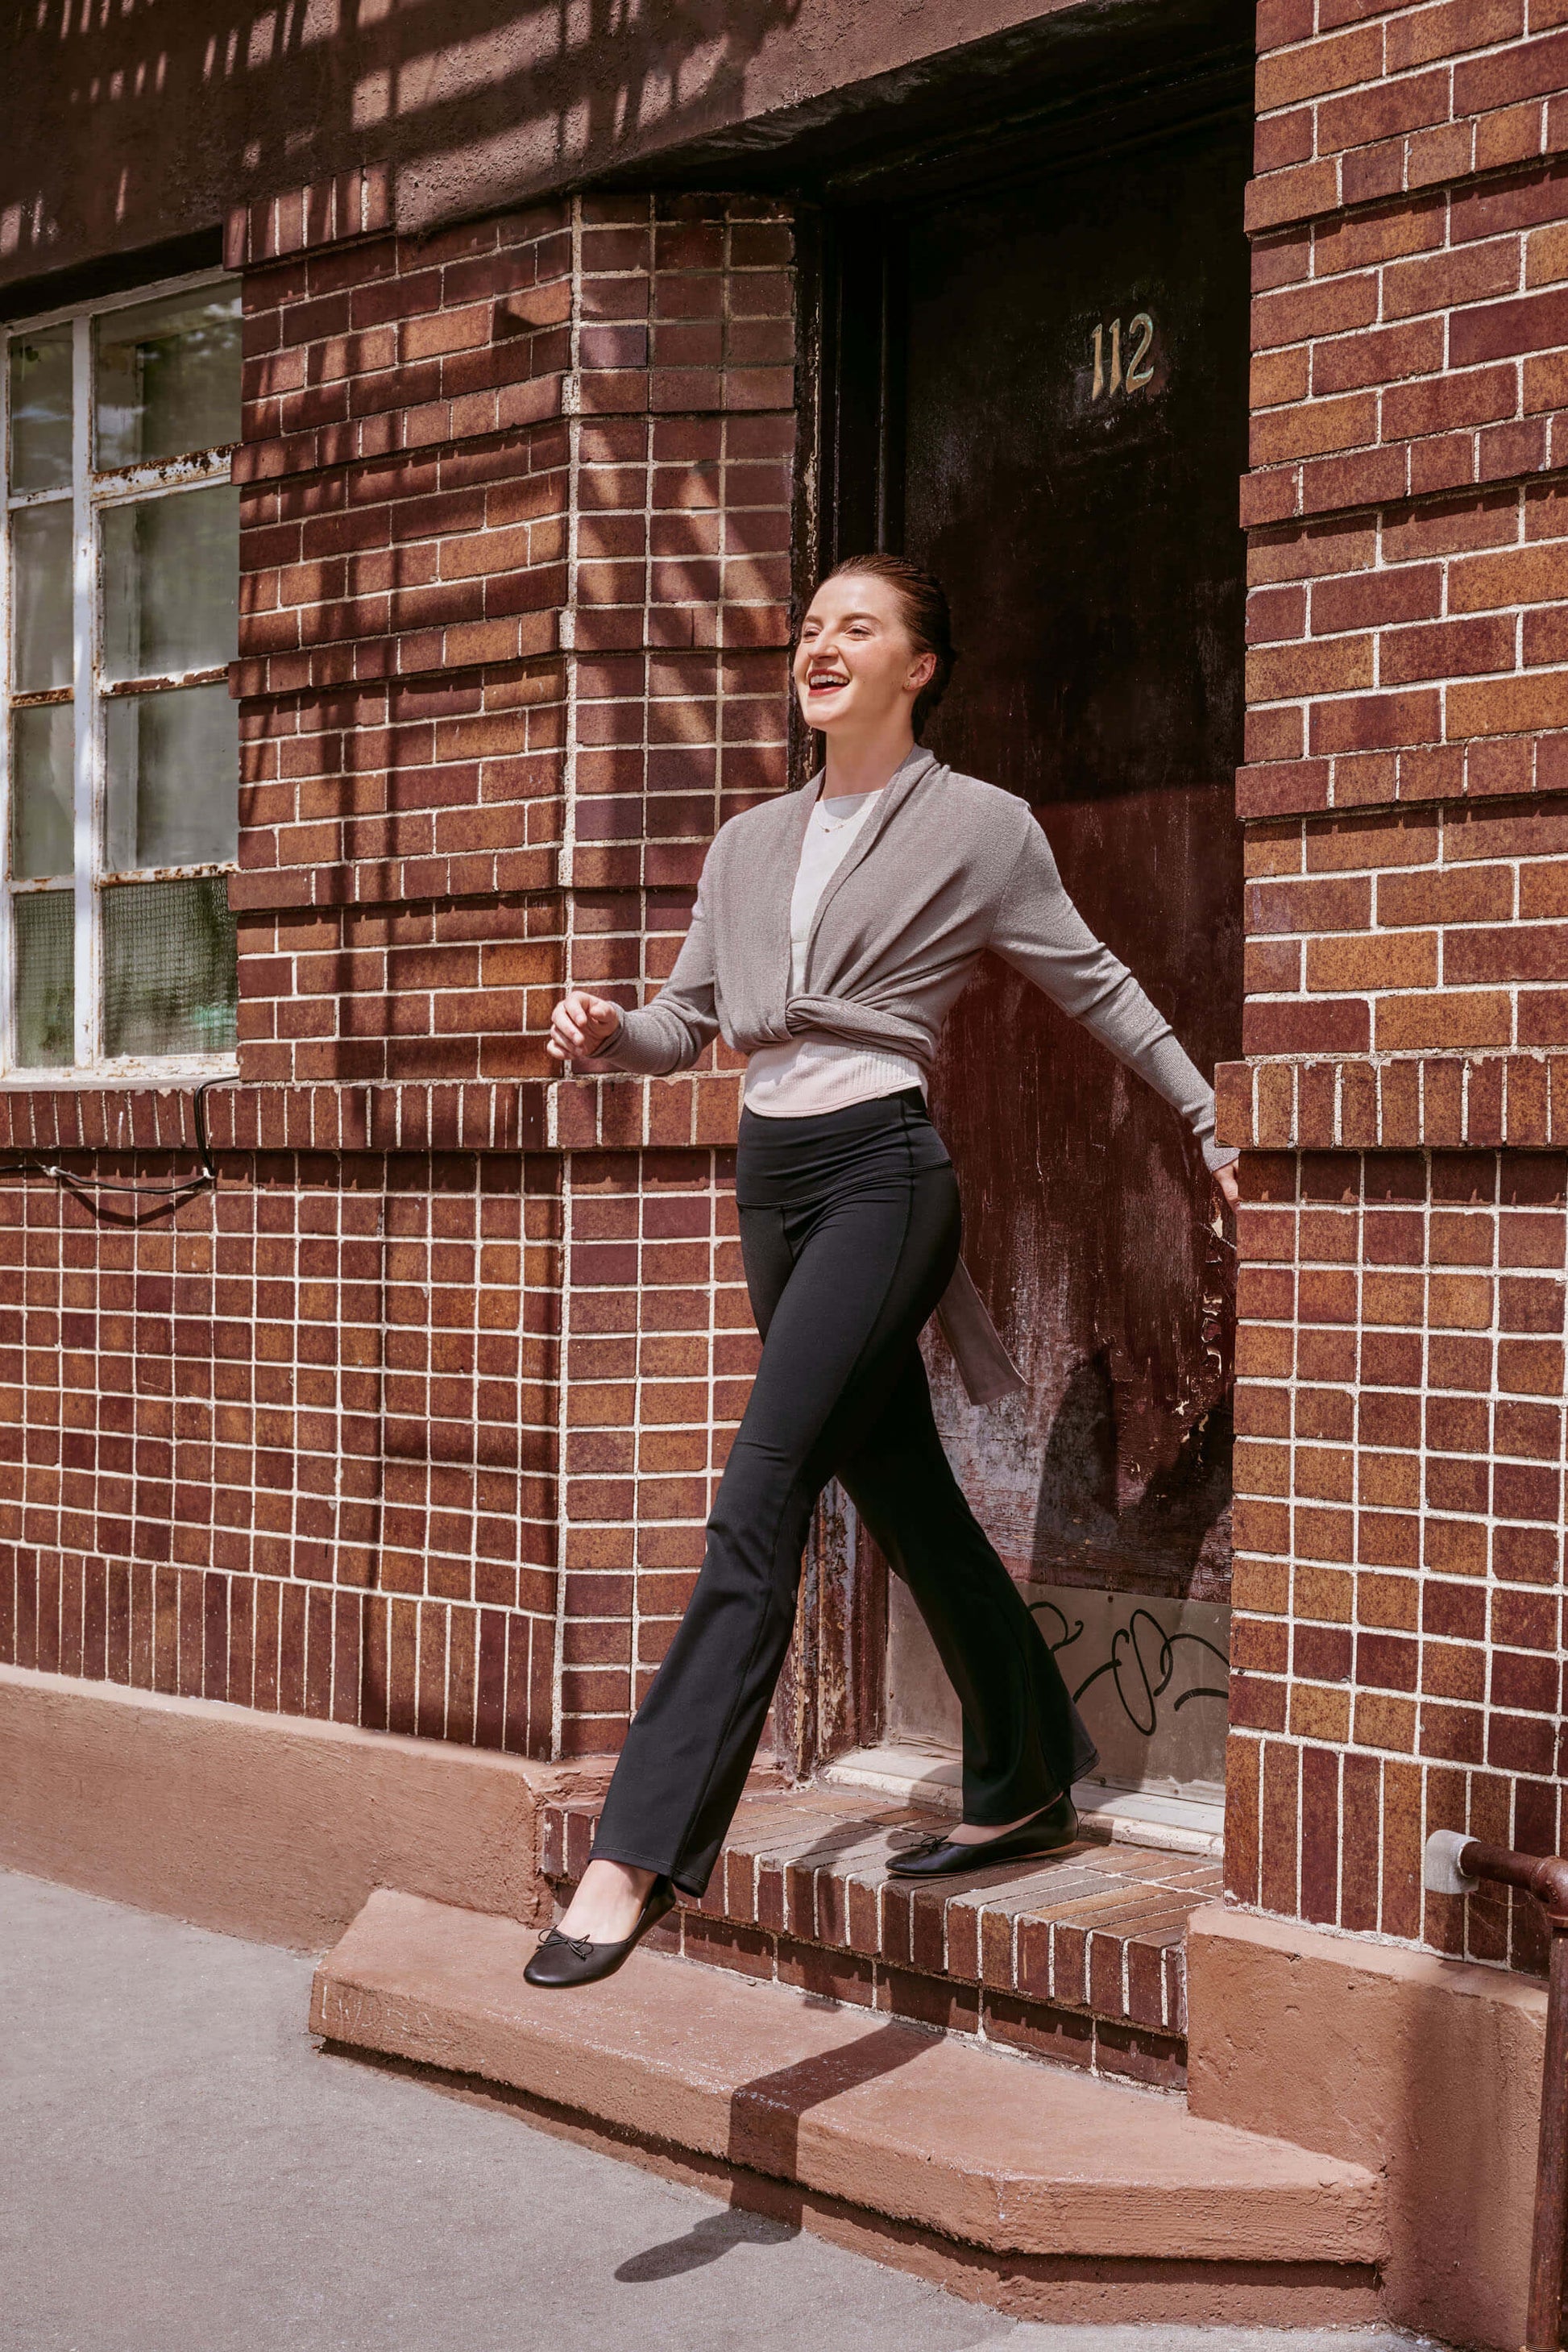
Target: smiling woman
[
  {"x": 832, "y": 934},
  {"x": 868, "y": 615},
  {"x": 878, "y": 634}
]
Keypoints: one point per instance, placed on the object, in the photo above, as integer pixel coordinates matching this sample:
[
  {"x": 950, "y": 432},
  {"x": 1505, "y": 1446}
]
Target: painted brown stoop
[
  {"x": 981, "y": 2082},
  {"x": 1079, "y": 1959}
]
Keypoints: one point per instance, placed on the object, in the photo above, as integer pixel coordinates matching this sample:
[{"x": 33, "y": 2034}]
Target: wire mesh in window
[
  {"x": 173, "y": 779},
  {"x": 168, "y": 377},
  {"x": 169, "y": 979},
  {"x": 43, "y": 785},
  {"x": 43, "y": 932},
  {"x": 40, "y": 367}
]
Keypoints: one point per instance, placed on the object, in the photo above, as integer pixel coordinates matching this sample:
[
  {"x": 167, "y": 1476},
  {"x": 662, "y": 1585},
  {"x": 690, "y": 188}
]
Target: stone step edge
[
  {"x": 1083, "y": 1965},
  {"x": 937, "y": 2133}
]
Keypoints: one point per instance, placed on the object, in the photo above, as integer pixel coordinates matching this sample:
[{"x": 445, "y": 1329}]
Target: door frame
[{"x": 850, "y": 499}]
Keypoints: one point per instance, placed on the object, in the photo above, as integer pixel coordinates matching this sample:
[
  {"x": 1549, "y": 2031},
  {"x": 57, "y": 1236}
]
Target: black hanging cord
[{"x": 179, "y": 1188}]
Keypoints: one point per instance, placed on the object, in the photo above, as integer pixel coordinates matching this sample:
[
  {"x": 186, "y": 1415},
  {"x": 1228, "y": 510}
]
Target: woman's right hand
[{"x": 581, "y": 1026}]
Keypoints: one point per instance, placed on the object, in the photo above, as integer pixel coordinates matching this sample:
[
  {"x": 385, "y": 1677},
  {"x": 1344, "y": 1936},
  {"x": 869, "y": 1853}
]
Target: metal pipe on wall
[{"x": 1457, "y": 1864}]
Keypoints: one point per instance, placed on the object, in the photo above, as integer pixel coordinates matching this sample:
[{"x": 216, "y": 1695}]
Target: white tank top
[{"x": 811, "y": 1074}]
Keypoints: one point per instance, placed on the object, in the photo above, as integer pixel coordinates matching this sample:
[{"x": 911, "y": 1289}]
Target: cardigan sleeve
[
  {"x": 1040, "y": 932},
  {"x": 670, "y": 1031}
]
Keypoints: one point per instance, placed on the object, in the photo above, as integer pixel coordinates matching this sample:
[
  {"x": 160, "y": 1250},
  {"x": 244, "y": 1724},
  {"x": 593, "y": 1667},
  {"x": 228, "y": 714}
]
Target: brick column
[
  {"x": 1398, "y": 1643},
  {"x": 683, "y": 437}
]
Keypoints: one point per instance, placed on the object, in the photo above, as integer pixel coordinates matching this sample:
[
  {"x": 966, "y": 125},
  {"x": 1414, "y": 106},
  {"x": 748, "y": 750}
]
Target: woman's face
[{"x": 855, "y": 669}]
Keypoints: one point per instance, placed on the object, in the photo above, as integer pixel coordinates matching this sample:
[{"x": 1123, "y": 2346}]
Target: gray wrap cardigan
[{"x": 944, "y": 868}]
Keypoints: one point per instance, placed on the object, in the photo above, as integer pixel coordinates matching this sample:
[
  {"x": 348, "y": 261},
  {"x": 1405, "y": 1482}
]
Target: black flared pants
[{"x": 849, "y": 1230}]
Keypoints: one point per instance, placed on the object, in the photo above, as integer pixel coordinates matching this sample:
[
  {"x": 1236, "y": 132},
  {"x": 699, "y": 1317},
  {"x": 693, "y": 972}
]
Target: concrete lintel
[{"x": 274, "y": 1827}]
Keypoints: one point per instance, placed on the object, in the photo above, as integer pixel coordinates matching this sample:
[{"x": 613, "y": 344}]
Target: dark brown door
[{"x": 1066, "y": 390}]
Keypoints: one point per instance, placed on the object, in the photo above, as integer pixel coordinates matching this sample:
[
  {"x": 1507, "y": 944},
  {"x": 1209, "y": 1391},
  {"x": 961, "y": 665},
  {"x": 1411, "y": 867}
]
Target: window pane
[
  {"x": 168, "y": 378},
  {"x": 171, "y": 584},
  {"x": 169, "y": 984},
  {"x": 173, "y": 779},
  {"x": 41, "y": 595},
  {"x": 46, "y": 993},
  {"x": 43, "y": 791},
  {"x": 41, "y": 410}
]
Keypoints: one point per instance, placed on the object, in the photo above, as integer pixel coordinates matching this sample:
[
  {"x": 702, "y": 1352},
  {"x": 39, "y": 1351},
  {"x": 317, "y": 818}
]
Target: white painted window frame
[{"x": 90, "y": 494}]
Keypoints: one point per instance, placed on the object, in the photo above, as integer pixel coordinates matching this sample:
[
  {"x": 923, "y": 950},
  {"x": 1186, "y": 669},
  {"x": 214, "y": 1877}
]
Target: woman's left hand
[{"x": 1225, "y": 1185}]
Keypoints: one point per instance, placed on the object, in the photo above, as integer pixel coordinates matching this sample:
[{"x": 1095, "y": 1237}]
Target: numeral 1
[{"x": 1140, "y": 366}]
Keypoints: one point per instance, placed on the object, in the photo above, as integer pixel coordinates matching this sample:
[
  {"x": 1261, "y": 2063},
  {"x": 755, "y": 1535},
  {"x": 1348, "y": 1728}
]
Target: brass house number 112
[{"x": 1110, "y": 375}]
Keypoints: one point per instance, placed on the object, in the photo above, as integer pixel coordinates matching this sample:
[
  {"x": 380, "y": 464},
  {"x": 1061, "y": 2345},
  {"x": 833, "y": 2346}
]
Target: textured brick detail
[
  {"x": 1357, "y": 113},
  {"x": 562, "y": 1115},
  {"x": 341, "y": 1377},
  {"x": 1405, "y": 1099},
  {"x": 517, "y": 506},
  {"x": 436, "y": 1668},
  {"x": 1079, "y": 1959},
  {"x": 1397, "y": 1643},
  {"x": 92, "y": 1119},
  {"x": 318, "y": 1420},
  {"x": 1442, "y": 1102},
  {"x": 1410, "y": 306},
  {"x": 1409, "y": 656},
  {"x": 1429, "y": 930},
  {"x": 658, "y": 1354},
  {"x": 328, "y": 211}
]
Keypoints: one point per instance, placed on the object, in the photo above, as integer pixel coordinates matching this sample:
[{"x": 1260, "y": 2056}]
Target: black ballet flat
[
  {"x": 564, "y": 1961},
  {"x": 941, "y": 1857}
]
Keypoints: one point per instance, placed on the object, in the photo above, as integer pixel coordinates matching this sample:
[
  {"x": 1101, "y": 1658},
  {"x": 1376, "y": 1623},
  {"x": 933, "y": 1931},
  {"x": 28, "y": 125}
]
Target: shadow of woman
[
  {"x": 708, "y": 2241},
  {"x": 762, "y": 2151}
]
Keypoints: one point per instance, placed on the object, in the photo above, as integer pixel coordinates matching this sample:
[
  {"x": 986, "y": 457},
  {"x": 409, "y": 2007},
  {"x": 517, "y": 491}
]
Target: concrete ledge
[
  {"x": 1425, "y": 2070},
  {"x": 270, "y": 1826},
  {"x": 939, "y": 2133}
]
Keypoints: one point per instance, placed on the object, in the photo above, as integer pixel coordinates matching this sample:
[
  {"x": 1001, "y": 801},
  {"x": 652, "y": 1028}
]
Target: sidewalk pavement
[{"x": 182, "y": 2170}]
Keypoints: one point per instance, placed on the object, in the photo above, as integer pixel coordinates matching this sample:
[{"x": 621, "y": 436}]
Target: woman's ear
[{"x": 921, "y": 674}]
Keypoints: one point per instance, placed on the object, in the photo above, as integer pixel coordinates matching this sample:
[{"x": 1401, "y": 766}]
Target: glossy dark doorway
[{"x": 1056, "y": 372}]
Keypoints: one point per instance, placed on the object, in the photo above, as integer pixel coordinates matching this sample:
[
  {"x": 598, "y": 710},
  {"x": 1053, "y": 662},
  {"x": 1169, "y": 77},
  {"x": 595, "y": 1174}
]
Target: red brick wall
[
  {"x": 292, "y": 1445},
  {"x": 404, "y": 544},
  {"x": 1398, "y": 1642},
  {"x": 1396, "y": 1650},
  {"x": 415, "y": 1420}
]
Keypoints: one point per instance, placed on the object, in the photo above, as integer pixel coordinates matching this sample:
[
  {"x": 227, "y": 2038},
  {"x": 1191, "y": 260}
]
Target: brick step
[
  {"x": 1079, "y": 1959},
  {"x": 1030, "y": 2187}
]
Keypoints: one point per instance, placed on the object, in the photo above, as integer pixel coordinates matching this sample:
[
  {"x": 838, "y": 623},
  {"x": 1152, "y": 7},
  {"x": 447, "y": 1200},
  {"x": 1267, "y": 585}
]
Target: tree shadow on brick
[{"x": 473, "y": 104}]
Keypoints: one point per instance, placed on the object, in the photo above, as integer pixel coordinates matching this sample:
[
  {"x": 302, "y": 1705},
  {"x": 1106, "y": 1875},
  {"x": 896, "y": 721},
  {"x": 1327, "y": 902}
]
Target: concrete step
[
  {"x": 1079, "y": 1959},
  {"x": 1048, "y": 2191}
]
